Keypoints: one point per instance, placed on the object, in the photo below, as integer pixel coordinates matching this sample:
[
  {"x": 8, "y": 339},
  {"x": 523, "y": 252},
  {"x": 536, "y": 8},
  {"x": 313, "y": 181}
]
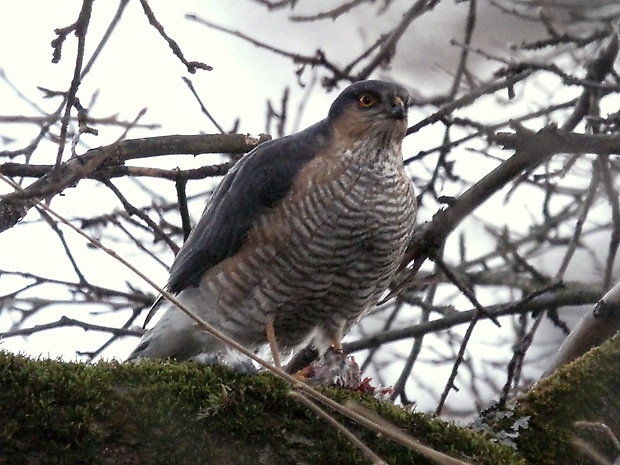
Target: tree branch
[{"x": 14, "y": 206}]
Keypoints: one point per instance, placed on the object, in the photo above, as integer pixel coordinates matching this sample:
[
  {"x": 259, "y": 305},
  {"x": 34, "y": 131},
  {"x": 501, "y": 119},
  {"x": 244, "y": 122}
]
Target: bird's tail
[{"x": 175, "y": 335}]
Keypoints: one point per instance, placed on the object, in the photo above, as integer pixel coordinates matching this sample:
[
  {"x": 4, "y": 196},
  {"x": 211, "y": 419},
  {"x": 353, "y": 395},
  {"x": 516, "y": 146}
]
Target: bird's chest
[
  {"x": 350, "y": 220},
  {"x": 327, "y": 251}
]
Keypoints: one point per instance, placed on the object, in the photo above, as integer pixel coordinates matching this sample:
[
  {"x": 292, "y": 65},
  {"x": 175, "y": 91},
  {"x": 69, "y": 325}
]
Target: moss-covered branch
[
  {"x": 160, "y": 412},
  {"x": 585, "y": 390},
  {"x": 163, "y": 412}
]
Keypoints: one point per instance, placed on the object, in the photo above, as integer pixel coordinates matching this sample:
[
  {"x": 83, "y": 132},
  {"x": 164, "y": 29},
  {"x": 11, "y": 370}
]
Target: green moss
[
  {"x": 585, "y": 390},
  {"x": 164, "y": 412}
]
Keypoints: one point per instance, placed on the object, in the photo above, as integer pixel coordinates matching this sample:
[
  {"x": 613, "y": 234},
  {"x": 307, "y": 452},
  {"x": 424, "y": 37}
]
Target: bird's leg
[
  {"x": 273, "y": 345},
  {"x": 335, "y": 337}
]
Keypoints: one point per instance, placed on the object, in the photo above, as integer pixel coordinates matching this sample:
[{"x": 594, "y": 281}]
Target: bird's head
[{"x": 370, "y": 108}]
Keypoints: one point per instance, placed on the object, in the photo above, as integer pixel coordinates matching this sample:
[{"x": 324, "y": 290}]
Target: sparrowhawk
[{"x": 302, "y": 236}]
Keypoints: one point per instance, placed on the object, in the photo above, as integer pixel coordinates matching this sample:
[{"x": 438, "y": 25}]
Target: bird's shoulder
[{"x": 256, "y": 184}]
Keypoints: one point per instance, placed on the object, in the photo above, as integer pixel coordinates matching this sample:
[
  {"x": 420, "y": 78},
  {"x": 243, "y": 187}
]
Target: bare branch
[
  {"x": 65, "y": 322},
  {"x": 192, "y": 66},
  {"x": 14, "y": 206}
]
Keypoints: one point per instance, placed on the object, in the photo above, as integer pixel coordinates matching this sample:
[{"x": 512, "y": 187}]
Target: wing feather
[{"x": 258, "y": 182}]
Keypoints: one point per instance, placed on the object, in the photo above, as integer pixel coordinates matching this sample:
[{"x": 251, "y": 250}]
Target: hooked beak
[{"x": 398, "y": 108}]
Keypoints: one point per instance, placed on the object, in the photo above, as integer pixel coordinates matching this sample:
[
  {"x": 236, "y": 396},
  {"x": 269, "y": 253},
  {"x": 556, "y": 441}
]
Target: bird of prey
[{"x": 300, "y": 239}]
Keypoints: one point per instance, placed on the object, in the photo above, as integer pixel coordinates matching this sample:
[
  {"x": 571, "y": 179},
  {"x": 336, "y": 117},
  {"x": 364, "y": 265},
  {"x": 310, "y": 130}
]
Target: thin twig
[
  {"x": 568, "y": 295},
  {"x": 470, "y": 25},
  {"x": 191, "y": 66},
  {"x": 132, "y": 210},
  {"x": 80, "y": 28},
  {"x": 607, "y": 181},
  {"x": 64, "y": 322},
  {"x": 203, "y": 108}
]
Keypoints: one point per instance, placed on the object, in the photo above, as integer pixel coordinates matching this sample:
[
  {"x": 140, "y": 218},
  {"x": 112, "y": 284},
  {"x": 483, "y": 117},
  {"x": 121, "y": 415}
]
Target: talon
[
  {"x": 336, "y": 339},
  {"x": 338, "y": 348}
]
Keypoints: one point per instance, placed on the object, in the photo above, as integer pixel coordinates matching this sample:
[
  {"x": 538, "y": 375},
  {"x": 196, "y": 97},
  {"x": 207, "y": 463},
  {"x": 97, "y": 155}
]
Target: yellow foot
[{"x": 273, "y": 345}]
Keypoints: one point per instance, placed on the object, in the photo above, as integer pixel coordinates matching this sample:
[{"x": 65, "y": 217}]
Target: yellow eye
[{"x": 367, "y": 100}]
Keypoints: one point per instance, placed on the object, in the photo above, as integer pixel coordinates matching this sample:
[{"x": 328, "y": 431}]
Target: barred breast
[{"x": 323, "y": 257}]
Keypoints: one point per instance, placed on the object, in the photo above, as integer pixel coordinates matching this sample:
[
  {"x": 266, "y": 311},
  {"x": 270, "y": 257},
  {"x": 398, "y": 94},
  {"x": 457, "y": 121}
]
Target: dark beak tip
[{"x": 399, "y": 112}]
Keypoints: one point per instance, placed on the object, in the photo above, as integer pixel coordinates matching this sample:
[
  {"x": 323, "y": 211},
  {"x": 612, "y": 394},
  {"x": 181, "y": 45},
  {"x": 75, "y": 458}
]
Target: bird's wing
[{"x": 256, "y": 184}]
